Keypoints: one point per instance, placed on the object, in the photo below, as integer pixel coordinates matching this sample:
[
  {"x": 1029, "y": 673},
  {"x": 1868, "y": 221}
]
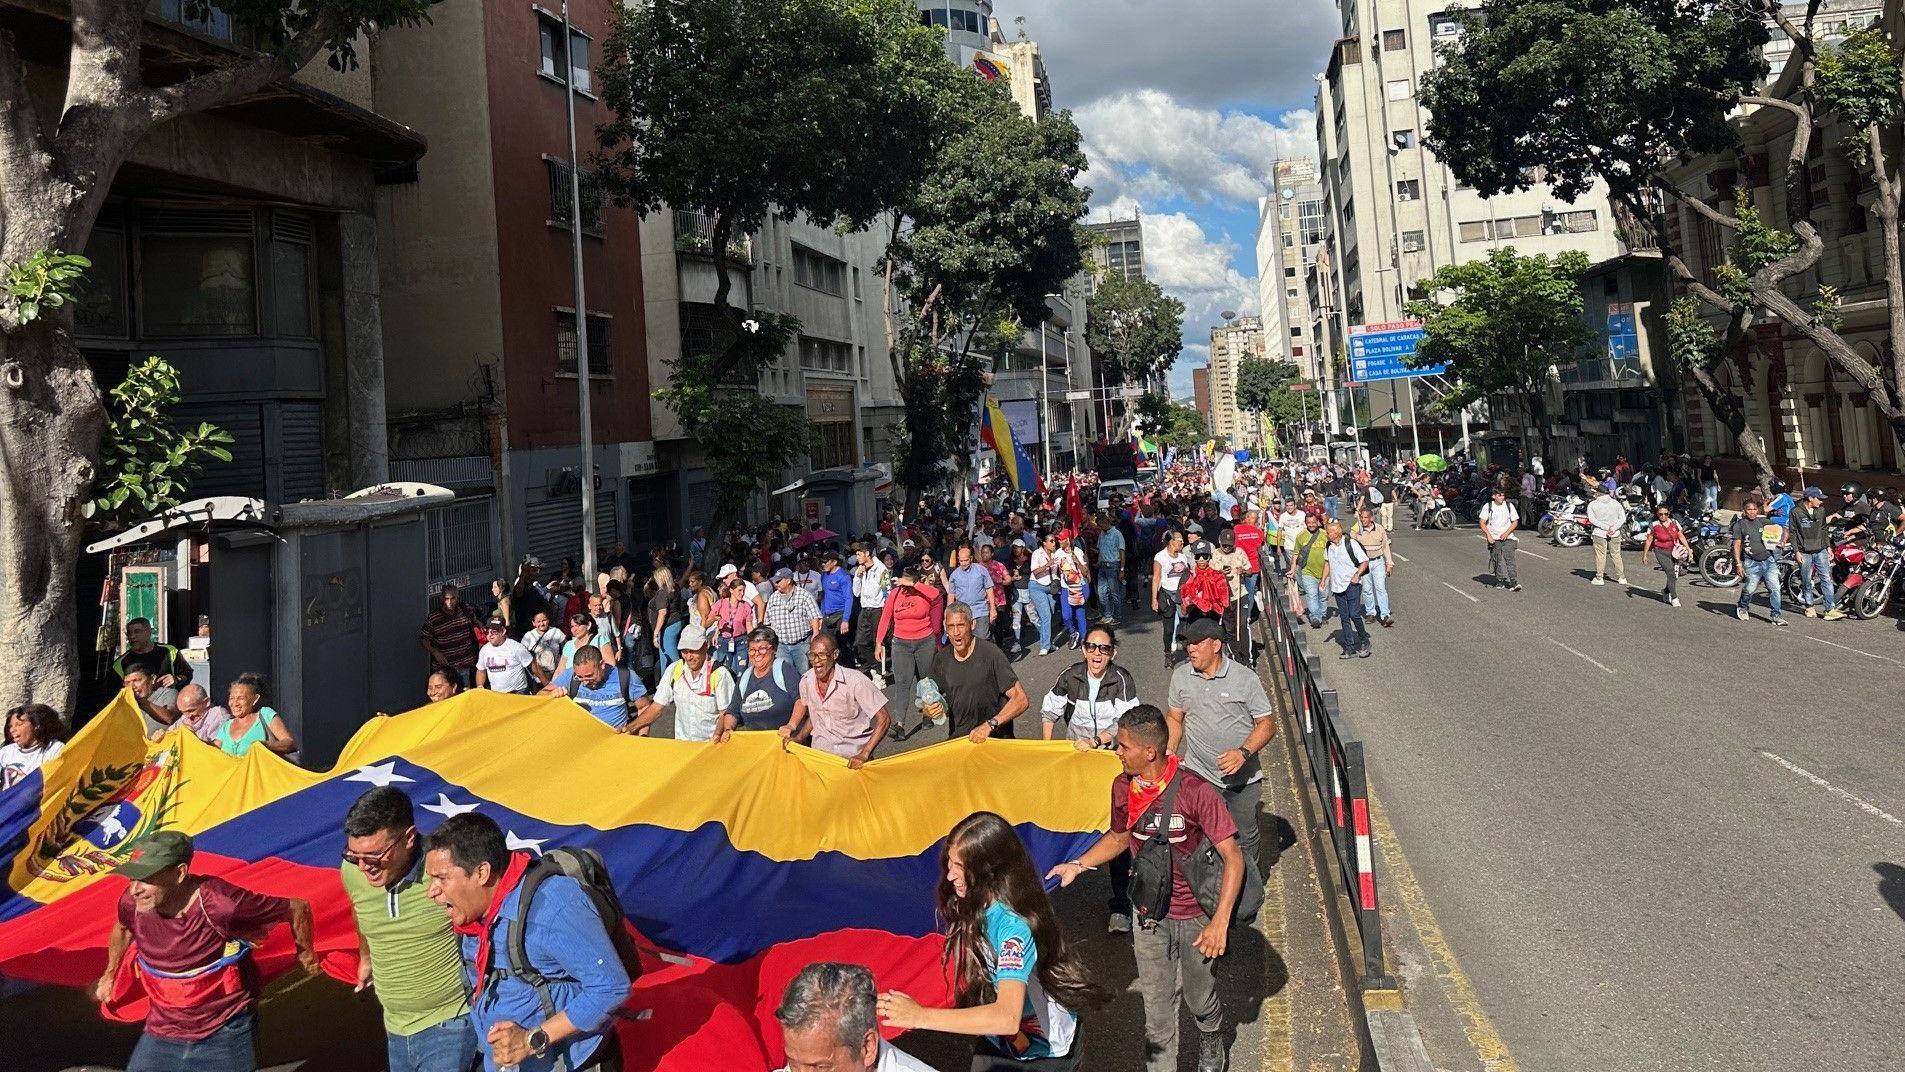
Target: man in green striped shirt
[{"x": 405, "y": 946}]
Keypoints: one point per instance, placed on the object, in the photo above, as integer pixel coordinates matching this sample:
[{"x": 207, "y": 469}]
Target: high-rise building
[
  {"x": 1121, "y": 251},
  {"x": 1200, "y": 391},
  {"x": 1393, "y": 212},
  {"x": 1289, "y": 232},
  {"x": 1231, "y": 344}
]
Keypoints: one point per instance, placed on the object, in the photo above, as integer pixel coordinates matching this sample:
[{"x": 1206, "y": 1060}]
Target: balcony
[
  {"x": 1604, "y": 372},
  {"x": 694, "y": 233}
]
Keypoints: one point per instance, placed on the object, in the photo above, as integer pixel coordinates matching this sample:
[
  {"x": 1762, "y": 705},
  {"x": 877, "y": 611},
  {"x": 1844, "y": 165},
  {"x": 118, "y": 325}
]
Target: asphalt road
[
  {"x": 1654, "y": 837},
  {"x": 320, "y": 1026}
]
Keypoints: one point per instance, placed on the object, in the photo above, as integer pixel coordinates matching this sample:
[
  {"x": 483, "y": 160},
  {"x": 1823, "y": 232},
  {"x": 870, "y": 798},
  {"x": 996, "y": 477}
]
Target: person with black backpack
[
  {"x": 545, "y": 951},
  {"x": 1187, "y": 886}
]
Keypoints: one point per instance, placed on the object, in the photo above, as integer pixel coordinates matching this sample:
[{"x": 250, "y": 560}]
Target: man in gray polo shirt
[{"x": 1220, "y": 718}]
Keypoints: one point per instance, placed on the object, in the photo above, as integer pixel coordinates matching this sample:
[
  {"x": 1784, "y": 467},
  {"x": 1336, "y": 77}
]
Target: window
[
  {"x": 198, "y": 274},
  {"x": 1398, "y": 89},
  {"x": 1290, "y": 271},
  {"x": 817, "y": 271},
  {"x": 703, "y": 332},
  {"x": 289, "y": 282},
  {"x": 1443, "y": 26},
  {"x": 461, "y": 538},
  {"x": 833, "y": 445},
  {"x": 969, "y": 21},
  {"x": 549, "y": 30},
  {"x": 99, "y": 304},
  {"x": 1409, "y": 190},
  {"x": 1296, "y": 351},
  {"x": 1577, "y": 222},
  {"x": 598, "y": 344},
  {"x": 825, "y": 355},
  {"x": 1413, "y": 241},
  {"x": 1394, "y": 40},
  {"x": 1475, "y": 231},
  {"x": 1290, "y": 293},
  {"x": 559, "y": 191},
  {"x": 1296, "y": 333},
  {"x": 1402, "y": 139}
]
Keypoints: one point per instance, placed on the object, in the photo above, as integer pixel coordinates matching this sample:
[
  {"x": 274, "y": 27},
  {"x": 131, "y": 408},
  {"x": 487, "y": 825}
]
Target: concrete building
[
  {"x": 1200, "y": 391},
  {"x": 1289, "y": 233},
  {"x": 480, "y": 318},
  {"x": 241, "y": 246},
  {"x": 1393, "y": 212},
  {"x": 1231, "y": 344},
  {"x": 1121, "y": 249}
]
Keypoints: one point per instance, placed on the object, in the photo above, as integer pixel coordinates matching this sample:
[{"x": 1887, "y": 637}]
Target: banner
[{"x": 996, "y": 433}]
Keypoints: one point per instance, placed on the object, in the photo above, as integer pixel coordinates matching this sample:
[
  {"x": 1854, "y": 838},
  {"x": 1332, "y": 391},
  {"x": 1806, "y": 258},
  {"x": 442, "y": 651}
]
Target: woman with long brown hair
[{"x": 1015, "y": 981}]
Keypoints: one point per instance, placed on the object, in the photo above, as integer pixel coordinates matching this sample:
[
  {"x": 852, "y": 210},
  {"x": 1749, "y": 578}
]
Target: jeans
[
  {"x": 796, "y": 655},
  {"x": 1329, "y": 507},
  {"x": 1376, "y": 589},
  {"x": 1168, "y": 610},
  {"x": 731, "y": 652},
  {"x": 1074, "y": 614},
  {"x": 1712, "y": 493},
  {"x": 1664, "y": 558},
  {"x": 1501, "y": 561},
  {"x": 1312, "y": 588},
  {"x": 448, "y": 1047},
  {"x": 1349, "y": 608},
  {"x": 670, "y": 653},
  {"x": 1042, "y": 601},
  {"x": 911, "y": 661},
  {"x": 1111, "y": 590},
  {"x": 1815, "y": 571},
  {"x": 1022, "y": 608},
  {"x": 1754, "y": 574},
  {"x": 1170, "y": 969},
  {"x": 232, "y": 1048},
  {"x": 863, "y": 633},
  {"x": 1607, "y": 557}
]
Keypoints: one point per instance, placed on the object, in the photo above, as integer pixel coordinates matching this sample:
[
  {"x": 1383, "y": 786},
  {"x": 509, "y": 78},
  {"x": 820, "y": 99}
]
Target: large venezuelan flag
[
  {"x": 746, "y": 860},
  {"x": 997, "y": 434}
]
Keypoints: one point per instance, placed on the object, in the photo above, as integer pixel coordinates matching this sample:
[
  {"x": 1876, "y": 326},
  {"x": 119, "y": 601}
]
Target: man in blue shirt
[
  {"x": 971, "y": 584},
  {"x": 1779, "y": 509},
  {"x": 475, "y": 876},
  {"x": 836, "y": 597},
  {"x": 605, "y": 691},
  {"x": 1110, "y": 571}
]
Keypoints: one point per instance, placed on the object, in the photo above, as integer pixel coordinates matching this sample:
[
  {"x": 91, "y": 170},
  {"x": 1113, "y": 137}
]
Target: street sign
[
  {"x": 1381, "y": 351},
  {"x": 1078, "y": 396},
  {"x": 1299, "y": 387}
]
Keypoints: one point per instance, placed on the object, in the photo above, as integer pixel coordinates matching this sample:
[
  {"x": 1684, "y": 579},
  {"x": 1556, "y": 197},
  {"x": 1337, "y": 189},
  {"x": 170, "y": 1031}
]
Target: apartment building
[
  {"x": 1290, "y": 230},
  {"x": 1231, "y": 344}
]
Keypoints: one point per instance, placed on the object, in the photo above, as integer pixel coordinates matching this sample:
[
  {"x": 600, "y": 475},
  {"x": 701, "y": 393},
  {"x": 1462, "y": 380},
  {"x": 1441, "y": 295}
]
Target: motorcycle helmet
[
  {"x": 1779, "y": 487},
  {"x": 1884, "y": 494},
  {"x": 1852, "y": 488}
]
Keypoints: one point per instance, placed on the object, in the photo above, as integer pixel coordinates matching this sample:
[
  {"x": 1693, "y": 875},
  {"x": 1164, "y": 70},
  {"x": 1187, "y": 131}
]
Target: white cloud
[
  {"x": 1199, "y": 271},
  {"x": 1146, "y": 144}
]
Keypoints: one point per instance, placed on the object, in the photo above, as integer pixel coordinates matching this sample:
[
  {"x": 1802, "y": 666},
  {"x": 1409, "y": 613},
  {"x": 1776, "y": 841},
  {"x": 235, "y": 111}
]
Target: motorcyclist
[
  {"x": 1852, "y": 511},
  {"x": 1886, "y": 512}
]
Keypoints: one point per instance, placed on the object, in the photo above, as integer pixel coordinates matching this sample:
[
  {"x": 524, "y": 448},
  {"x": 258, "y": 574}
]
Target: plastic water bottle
[{"x": 927, "y": 694}]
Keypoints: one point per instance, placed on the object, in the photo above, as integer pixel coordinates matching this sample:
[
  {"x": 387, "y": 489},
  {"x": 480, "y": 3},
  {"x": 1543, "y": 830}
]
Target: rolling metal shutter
[
  {"x": 245, "y": 473},
  {"x": 301, "y": 453},
  {"x": 555, "y": 527}
]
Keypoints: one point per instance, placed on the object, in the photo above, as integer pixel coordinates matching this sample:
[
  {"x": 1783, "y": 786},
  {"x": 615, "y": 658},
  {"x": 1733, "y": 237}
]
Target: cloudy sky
[{"x": 1185, "y": 105}]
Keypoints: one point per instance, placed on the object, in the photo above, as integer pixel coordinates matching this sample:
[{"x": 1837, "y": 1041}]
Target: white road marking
[
  {"x": 1459, "y": 592},
  {"x": 1399, "y": 558},
  {"x": 1865, "y": 806},
  {"x": 1856, "y": 651},
  {"x": 1583, "y": 655}
]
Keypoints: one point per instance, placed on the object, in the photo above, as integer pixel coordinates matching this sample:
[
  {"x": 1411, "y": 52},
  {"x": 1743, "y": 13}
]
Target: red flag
[{"x": 1073, "y": 508}]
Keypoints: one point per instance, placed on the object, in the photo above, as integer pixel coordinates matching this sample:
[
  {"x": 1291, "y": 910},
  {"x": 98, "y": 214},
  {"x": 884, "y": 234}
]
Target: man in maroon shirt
[
  {"x": 1187, "y": 942},
  {"x": 192, "y": 937},
  {"x": 449, "y": 635}
]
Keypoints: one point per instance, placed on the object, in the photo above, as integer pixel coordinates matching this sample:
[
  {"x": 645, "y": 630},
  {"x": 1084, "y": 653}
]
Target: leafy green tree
[
  {"x": 63, "y": 148},
  {"x": 1171, "y": 424},
  {"x": 1502, "y": 324},
  {"x": 1626, "y": 90},
  {"x": 1134, "y": 329},
  {"x": 749, "y": 440},
  {"x": 146, "y": 462},
  {"x": 990, "y": 232},
  {"x": 1264, "y": 388}
]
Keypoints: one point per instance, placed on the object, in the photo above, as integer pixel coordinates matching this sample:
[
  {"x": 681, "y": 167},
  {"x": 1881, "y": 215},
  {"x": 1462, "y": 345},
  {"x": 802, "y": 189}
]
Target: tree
[
  {"x": 1502, "y": 326},
  {"x": 1178, "y": 425},
  {"x": 1263, "y": 388},
  {"x": 720, "y": 107},
  {"x": 145, "y": 463},
  {"x": 749, "y": 440},
  {"x": 57, "y": 165},
  {"x": 1134, "y": 329},
  {"x": 991, "y": 231},
  {"x": 1626, "y": 90}
]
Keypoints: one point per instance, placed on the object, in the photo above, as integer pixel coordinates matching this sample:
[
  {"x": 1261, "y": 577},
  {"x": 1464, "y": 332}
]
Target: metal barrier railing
[{"x": 1335, "y": 760}]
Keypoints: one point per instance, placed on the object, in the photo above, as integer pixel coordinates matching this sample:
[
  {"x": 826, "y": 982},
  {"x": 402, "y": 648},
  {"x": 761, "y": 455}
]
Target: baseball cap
[
  {"x": 1203, "y": 629},
  {"x": 1202, "y": 550},
  {"x": 496, "y": 623},
  {"x": 783, "y": 574},
  {"x": 692, "y": 638},
  {"x": 728, "y": 570},
  {"x": 155, "y": 852},
  {"x": 1814, "y": 493}
]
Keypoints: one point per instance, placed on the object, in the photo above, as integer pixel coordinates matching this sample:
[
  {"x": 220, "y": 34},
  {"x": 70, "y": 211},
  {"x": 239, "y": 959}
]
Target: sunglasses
[
  {"x": 1102, "y": 649},
  {"x": 371, "y": 859}
]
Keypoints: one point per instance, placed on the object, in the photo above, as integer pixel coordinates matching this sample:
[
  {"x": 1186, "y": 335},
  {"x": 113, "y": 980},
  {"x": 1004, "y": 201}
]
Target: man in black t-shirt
[
  {"x": 1754, "y": 560},
  {"x": 982, "y": 694}
]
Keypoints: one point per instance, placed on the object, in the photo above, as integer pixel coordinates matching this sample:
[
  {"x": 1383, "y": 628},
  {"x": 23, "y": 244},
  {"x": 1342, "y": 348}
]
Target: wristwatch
[{"x": 539, "y": 1042}]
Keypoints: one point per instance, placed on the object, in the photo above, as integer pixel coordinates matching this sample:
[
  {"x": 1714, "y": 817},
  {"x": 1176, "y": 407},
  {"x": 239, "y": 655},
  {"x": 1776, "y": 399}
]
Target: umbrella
[
  {"x": 813, "y": 536},
  {"x": 1431, "y": 463}
]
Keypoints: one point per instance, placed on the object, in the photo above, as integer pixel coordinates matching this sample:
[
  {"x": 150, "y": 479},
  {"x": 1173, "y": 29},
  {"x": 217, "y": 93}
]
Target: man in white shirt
[
  {"x": 1606, "y": 518},
  {"x": 828, "y": 1021},
  {"x": 504, "y": 665},
  {"x": 869, "y": 592},
  {"x": 697, "y": 687},
  {"x": 1499, "y": 520}
]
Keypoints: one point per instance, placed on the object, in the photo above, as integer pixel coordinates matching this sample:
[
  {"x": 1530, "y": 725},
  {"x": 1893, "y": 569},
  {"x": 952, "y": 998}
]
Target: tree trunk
[
  {"x": 1731, "y": 411},
  {"x": 50, "y": 422},
  {"x": 1885, "y": 206}
]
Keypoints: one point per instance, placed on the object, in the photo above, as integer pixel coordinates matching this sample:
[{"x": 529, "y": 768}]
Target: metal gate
[{"x": 555, "y": 527}]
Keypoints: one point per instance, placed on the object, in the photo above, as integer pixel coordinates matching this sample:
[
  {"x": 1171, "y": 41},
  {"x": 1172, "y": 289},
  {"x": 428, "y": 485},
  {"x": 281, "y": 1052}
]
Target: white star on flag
[
  {"x": 447, "y": 807},
  {"x": 513, "y": 843},
  {"x": 378, "y": 774}
]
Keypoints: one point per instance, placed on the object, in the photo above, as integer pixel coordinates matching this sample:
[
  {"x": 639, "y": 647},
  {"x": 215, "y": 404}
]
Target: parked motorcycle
[
  {"x": 1883, "y": 561},
  {"x": 1570, "y": 528}
]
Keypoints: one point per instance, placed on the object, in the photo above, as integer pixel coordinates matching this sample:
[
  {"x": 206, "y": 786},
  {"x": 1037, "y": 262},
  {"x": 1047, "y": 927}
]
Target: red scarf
[
  {"x": 481, "y": 931},
  {"x": 1142, "y": 796}
]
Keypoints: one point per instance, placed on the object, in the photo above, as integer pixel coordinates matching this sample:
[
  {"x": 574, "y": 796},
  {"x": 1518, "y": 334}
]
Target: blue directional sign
[
  {"x": 1623, "y": 333},
  {"x": 1383, "y": 354}
]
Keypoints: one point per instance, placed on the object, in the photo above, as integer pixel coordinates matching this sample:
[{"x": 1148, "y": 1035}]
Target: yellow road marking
[{"x": 1402, "y": 883}]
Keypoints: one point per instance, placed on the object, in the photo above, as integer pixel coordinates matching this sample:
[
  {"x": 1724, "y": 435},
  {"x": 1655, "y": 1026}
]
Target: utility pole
[
  {"x": 584, "y": 429},
  {"x": 1044, "y": 406}
]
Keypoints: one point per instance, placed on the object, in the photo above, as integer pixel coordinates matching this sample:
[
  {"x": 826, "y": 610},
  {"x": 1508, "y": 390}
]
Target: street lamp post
[{"x": 584, "y": 430}]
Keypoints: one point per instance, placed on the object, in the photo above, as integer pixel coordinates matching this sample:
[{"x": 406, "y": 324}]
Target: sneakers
[
  {"x": 1388, "y": 623},
  {"x": 1812, "y": 612},
  {"x": 1365, "y": 653},
  {"x": 1674, "y": 602},
  {"x": 1211, "y": 1054},
  {"x": 1740, "y": 613},
  {"x": 1514, "y": 588},
  {"x": 1597, "y": 580},
  {"x": 1119, "y": 923},
  {"x": 1044, "y": 652},
  {"x": 1781, "y": 622},
  {"x": 1834, "y": 614},
  {"x": 1347, "y": 655}
]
